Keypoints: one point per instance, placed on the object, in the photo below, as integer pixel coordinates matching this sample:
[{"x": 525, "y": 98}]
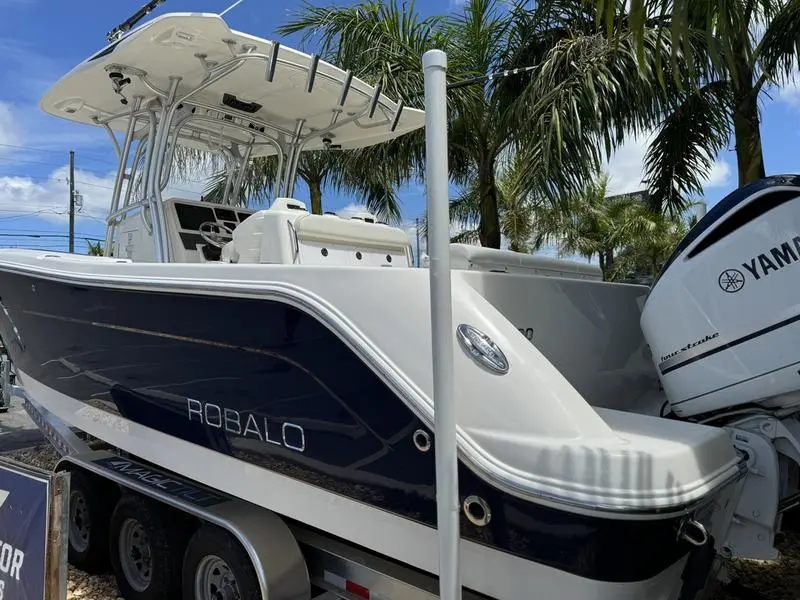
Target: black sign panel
[
  {"x": 24, "y": 513},
  {"x": 163, "y": 481}
]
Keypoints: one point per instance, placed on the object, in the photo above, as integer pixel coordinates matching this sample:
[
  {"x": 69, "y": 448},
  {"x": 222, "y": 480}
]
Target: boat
[{"x": 613, "y": 439}]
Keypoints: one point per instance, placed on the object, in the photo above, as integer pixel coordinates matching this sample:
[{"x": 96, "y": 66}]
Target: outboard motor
[
  {"x": 723, "y": 317},
  {"x": 722, "y": 321}
]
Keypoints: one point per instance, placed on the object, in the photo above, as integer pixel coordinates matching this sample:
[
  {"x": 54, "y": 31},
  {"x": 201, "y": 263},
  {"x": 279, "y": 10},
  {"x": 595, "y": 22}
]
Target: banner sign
[
  {"x": 27, "y": 553},
  {"x": 639, "y": 195}
]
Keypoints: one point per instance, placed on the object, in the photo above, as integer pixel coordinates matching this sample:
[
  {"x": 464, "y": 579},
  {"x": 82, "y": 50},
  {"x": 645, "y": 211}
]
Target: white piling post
[{"x": 434, "y": 63}]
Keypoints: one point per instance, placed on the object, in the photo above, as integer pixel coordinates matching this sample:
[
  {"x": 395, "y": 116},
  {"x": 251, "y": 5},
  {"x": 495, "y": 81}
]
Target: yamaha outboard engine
[
  {"x": 723, "y": 318},
  {"x": 723, "y": 324}
]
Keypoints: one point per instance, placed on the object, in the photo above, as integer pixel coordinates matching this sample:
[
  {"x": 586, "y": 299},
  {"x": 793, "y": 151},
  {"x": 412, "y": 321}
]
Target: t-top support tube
[
  {"x": 121, "y": 170},
  {"x": 434, "y": 63}
]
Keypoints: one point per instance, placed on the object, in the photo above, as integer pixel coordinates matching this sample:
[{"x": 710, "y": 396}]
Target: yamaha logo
[{"x": 731, "y": 280}]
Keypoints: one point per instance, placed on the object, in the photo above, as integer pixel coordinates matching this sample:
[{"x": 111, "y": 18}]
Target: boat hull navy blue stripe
[{"x": 266, "y": 383}]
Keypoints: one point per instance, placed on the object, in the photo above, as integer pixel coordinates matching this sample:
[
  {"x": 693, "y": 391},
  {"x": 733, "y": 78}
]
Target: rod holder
[
  {"x": 312, "y": 73},
  {"x": 345, "y": 87},
  {"x": 273, "y": 61},
  {"x": 374, "y": 101},
  {"x": 397, "y": 114}
]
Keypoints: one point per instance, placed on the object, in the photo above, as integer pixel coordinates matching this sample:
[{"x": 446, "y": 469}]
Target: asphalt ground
[{"x": 17, "y": 430}]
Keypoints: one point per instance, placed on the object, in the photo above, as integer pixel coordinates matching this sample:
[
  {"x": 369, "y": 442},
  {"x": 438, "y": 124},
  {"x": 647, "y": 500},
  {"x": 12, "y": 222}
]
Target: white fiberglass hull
[{"x": 485, "y": 570}]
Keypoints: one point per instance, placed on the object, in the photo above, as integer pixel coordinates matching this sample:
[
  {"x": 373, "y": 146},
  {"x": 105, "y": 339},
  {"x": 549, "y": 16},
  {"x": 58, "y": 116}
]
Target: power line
[
  {"x": 41, "y": 231},
  {"x": 82, "y": 182},
  {"x": 84, "y": 156},
  {"x": 13, "y": 159},
  {"x": 54, "y": 166},
  {"x": 33, "y": 247},
  {"x": 50, "y": 235},
  {"x": 36, "y": 177},
  {"x": 28, "y": 214}
]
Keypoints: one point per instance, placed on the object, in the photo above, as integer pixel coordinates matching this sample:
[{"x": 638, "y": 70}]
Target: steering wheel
[{"x": 213, "y": 237}]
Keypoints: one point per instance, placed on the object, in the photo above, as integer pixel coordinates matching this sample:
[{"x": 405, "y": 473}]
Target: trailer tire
[
  {"x": 89, "y": 518},
  {"x": 214, "y": 559},
  {"x": 146, "y": 544}
]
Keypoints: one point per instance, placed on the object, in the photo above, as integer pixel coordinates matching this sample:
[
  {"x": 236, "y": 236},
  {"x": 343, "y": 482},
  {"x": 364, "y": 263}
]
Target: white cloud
[
  {"x": 789, "y": 93},
  {"x": 45, "y": 195},
  {"x": 48, "y": 198},
  {"x": 10, "y": 132},
  {"x": 351, "y": 210},
  {"x": 26, "y": 75},
  {"x": 418, "y": 245},
  {"x": 720, "y": 175},
  {"x": 626, "y": 167}
]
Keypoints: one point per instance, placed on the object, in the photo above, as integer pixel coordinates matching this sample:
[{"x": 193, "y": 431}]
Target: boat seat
[
  {"x": 288, "y": 234},
  {"x": 332, "y": 240},
  {"x": 478, "y": 258}
]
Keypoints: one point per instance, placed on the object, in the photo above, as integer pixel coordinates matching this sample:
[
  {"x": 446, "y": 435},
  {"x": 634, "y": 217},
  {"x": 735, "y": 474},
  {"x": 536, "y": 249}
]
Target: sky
[{"x": 41, "y": 40}]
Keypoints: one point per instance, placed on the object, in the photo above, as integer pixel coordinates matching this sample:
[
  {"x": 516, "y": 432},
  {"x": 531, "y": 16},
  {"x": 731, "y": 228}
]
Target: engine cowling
[{"x": 723, "y": 317}]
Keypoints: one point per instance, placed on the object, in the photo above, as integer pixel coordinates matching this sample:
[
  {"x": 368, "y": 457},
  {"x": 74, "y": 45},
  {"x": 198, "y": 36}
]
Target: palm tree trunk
[
  {"x": 315, "y": 192},
  {"x": 609, "y": 258},
  {"x": 654, "y": 260},
  {"x": 746, "y": 125},
  {"x": 489, "y": 229}
]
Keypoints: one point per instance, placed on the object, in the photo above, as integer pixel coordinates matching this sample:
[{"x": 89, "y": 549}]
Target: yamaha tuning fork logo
[
  {"x": 731, "y": 280},
  {"x": 772, "y": 260}
]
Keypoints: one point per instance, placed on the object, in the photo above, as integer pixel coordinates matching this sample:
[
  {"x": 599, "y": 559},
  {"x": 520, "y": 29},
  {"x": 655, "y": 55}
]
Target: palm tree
[
  {"x": 715, "y": 108},
  {"x": 649, "y": 244},
  {"x": 324, "y": 170},
  {"x": 612, "y": 228},
  {"x": 614, "y": 86},
  {"x": 95, "y": 249},
  {"x": 516, "y": 208},
  {"x": 564, "y": 131},
  {"x": 583, "y": 225}
]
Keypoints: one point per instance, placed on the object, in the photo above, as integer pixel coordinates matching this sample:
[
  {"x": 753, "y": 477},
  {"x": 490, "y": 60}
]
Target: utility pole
[
  {"x": 71, "y": 201},
  {"x": 416, "y": 228}
]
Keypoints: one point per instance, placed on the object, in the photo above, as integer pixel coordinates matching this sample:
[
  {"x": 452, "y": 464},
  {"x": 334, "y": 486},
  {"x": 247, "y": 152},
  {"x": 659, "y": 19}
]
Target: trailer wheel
[
  {"x": 216, "y": 566},
  {"x": 146, "y": 545},
  {"x": 89, "y": 516}
]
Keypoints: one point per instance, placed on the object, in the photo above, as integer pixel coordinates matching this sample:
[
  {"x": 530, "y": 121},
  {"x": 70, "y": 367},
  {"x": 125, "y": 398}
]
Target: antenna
[
  {"x": 231, "y": 7},
  {"x": 120, "y": 30}
]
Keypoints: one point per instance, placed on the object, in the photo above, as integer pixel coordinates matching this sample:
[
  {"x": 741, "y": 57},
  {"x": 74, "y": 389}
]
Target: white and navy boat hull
[{"x": 261, "y": 399}]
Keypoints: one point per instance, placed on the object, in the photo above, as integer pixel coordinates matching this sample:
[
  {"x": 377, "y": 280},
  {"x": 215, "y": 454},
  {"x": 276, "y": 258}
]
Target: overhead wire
[
  {"x": 84, "y": 155},
  {"x": 96, "y": 173}
]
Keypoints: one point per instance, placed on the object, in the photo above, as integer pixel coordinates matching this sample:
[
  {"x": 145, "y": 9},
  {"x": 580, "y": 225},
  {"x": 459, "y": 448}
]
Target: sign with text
[
  {"x": 31, "y": 565},
  {"x": 639, "y": 195}
]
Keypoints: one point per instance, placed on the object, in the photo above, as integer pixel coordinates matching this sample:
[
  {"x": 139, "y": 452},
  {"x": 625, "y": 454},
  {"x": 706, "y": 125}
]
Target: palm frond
[
  {"x": 466, "y": 236},
  {"x": 779, "y": 48},
  {"x": 381, "y": 41},
  {"x": 257, "y": 185},
  {"x": 590, "y": 94},
  {"x": 682, "y": 154}
]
